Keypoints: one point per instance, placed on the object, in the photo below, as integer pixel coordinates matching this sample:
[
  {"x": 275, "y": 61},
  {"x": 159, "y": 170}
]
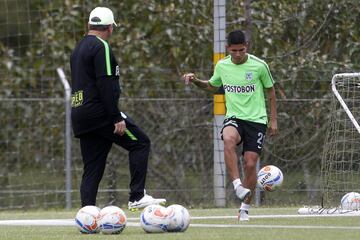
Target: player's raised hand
[{"x": 188, "y": 77}]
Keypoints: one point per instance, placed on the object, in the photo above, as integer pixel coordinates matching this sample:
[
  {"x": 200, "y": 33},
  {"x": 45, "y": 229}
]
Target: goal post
[
  {"x": 68, "y": 136},
  {"x": 340, "y": 168},
  {"x": 219, "y": 106}
]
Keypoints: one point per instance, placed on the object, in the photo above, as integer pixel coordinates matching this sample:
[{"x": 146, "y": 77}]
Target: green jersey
[{"x": 244, "y": 87}]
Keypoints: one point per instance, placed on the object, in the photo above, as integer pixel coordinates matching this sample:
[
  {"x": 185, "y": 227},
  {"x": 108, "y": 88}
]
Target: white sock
[
  {"x": 245, "y": 206},
  {"x": 236, "y": 183}
]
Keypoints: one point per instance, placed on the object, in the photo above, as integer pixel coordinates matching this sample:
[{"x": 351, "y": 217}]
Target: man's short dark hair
[
  {"x": 101, "y": 28},
  {"x": 236, "y": 37}
]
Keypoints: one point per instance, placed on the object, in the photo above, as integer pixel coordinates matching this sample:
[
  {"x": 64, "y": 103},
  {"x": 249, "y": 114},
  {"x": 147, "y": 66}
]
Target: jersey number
[{"x": 260, "y": 140}]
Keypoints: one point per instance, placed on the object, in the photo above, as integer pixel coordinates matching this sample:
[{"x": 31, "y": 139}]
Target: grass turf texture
[{"x": 260, "y": 228}]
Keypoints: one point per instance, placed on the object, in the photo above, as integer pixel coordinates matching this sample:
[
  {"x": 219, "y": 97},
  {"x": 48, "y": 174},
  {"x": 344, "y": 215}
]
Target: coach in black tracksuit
[{"x": 96, "y": 119}]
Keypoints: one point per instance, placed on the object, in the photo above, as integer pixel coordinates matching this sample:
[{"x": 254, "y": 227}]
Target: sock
[
  {"x": 245, "y": 207},
  {"x": 236, "y": 183}
]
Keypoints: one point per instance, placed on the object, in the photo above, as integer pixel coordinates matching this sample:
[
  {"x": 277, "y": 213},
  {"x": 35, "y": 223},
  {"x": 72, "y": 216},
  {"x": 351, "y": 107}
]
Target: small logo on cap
[{"x": 95, "y": 19}]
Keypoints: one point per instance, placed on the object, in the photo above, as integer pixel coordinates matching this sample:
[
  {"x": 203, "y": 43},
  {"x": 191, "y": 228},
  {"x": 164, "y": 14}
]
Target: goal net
[{"x": 340, "y": 170}]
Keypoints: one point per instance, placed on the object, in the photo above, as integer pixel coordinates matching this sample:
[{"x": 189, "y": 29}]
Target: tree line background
[{"x": 304, "y": 42}]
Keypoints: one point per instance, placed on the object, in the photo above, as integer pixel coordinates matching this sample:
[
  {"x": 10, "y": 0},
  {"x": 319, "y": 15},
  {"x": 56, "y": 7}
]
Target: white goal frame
[
  {"x": 341, "y": 100},
  {"x": 326, "y": 169}
]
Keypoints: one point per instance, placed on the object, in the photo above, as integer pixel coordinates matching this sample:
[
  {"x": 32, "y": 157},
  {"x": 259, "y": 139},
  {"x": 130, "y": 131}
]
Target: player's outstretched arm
[{"x": 203, "y": 84}]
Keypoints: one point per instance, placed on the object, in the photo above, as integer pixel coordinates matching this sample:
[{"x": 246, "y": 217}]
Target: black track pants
[{"x": 95, "y": 147}]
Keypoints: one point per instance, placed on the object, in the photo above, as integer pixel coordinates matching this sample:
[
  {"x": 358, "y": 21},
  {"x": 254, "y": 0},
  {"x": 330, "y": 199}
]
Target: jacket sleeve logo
[{"x": 77, "y": 99}]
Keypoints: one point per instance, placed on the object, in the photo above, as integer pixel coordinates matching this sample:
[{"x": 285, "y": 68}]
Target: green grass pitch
[{"x": 276, "y": 227}]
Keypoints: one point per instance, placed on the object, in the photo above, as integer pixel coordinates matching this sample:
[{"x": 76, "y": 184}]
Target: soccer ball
[
  {"x": 112, "y": 220},
  {"x": 350, "y": 201},
  {"x": 154, "y": 219},
  {"x": 86, "y": 219},
  {"x": 270, "y": 178},
  {"x": 179, "y": 218}
]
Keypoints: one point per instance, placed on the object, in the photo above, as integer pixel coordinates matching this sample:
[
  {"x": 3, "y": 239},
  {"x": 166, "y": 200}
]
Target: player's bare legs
[
  {"x": 250, "y": 161},
  {"x": 231, "y": 138}
]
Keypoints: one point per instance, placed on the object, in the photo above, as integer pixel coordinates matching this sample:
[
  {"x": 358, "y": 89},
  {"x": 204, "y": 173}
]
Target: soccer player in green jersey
[{"x": 244, "y": 78}]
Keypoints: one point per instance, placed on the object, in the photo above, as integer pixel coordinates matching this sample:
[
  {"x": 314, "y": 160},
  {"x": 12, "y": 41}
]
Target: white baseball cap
[{"x": 101, "y": 16}]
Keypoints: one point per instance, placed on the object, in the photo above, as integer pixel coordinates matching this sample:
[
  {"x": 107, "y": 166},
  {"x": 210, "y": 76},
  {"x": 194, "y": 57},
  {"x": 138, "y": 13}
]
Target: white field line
[
  {"x": 278, "y": 216},
  {"x": 39, "y": 222},
  {"x": 272, "y": 226}
]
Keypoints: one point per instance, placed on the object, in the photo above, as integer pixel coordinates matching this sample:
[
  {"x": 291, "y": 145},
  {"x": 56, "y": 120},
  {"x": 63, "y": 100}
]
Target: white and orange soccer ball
[
  {"x": 154, "y": 219},
  {"x": 350, "y": 201},
  {"x": 269, "y": 178},
  {"x": 86, "y": 219},
  {"x": 179, "y": 218},
  {"x": 112, "y": 220}
]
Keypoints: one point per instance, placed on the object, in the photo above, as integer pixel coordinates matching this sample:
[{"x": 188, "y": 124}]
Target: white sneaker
[
  {"x": 243, "y": 215},
  {"x": 242, "y": 193},
  {"x": 145, "y": 201}
]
